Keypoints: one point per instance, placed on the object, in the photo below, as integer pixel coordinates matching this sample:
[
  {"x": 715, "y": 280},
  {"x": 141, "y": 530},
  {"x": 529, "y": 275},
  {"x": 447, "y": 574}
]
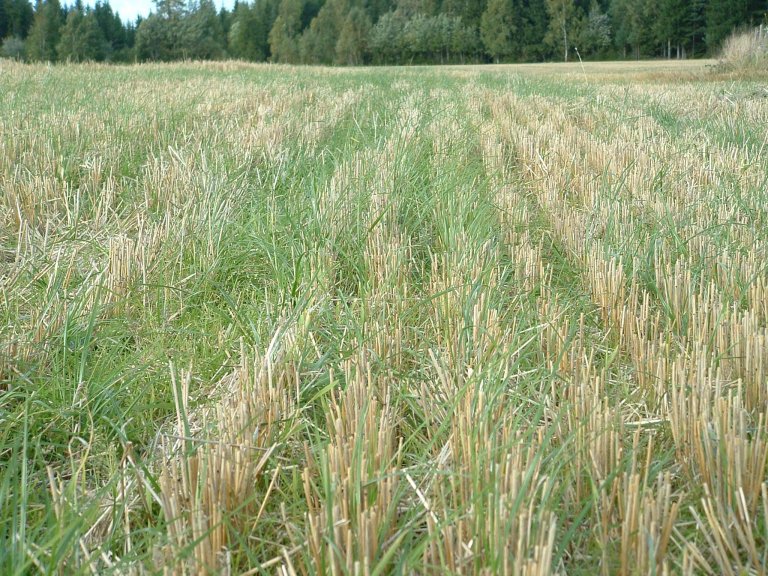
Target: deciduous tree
[
  {"x": 352, "y": 46},
  {"x": 284, "y": 35},
  {"x": 318, "y": 42},
  {"x": 201, "y": 35},
  {"x": 498, "y": 29},
  {"x": 562, "y": 16},
  {"x": 596, "y": 34}
]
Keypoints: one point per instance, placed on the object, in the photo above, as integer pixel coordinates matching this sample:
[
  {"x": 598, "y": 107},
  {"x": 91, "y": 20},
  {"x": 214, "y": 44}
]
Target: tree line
[{"x": 357, "y": 32}]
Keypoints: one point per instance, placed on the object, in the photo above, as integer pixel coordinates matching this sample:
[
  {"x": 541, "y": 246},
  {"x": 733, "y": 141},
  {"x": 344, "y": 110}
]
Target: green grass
[{"x": 425, "y": 320}]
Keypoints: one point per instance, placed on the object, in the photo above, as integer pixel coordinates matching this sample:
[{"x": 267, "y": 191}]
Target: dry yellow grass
[{"x": 474, "y": 320}]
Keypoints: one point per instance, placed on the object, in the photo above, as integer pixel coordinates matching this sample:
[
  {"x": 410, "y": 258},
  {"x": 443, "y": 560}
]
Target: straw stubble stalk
[
  {"x": 351, "y": 487},
  {"x": 216, "y": 479},
  {"x": 515, "y": 302}
]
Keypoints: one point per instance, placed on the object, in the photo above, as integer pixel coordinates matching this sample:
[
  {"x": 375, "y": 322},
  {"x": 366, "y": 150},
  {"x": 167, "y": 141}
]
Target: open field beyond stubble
[{"x": 425, "y": 321}]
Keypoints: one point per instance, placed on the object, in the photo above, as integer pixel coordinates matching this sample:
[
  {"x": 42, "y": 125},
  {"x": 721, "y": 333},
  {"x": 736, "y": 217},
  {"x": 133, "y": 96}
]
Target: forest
[{"x": 362, "y": 32}]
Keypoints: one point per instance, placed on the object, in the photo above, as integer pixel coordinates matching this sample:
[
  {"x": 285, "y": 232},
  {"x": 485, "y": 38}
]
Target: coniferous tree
[
  {"x": 647, "y": 29},
  {"x": 498, "y": 30},
  {"x": 19, "y": 16},
  {"x": 672, "y": 26},
  {"x": 470, "y": 11},
  {"x": 44, "y": 33},
  {"x": 352, "y": 32},
  {"x": 113, "y": 30},
  {"x": 153, "y": 41},
  {"x": 724, "y": 16},
  {"x": 81, "y": 38},
  {"x": 248, "y": 36},
  {"x": 697, "y": 27},
  {"x": 3, "y": 21},
  {"x": 68, "y": 48},
  {"x": 375, "y": 9},
  {"x": 158, "y": 37},
  {"x": 225, "y": 21},
  {"x": 534, "y": 23},
  {"x": 622, "y": 27},
  {"x": 171, "y": 9},
  {"x": 243, "y": 36}
]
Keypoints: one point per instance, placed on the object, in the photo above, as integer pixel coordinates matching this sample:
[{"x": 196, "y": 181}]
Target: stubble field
[{"x": 268, "y": 320}]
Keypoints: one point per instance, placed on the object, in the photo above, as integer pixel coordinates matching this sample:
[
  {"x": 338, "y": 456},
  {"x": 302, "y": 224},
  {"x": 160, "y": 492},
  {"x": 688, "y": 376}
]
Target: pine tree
[
  {"x": 171, "y": 9},
  {"x": 154, "y": 40},
  {"x": 672, "y": 26},
  {"x": 697, "y": 27},
  {"x": 159, "y": 36}
]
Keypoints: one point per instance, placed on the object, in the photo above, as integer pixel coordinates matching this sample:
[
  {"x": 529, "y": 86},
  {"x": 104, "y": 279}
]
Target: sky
[{"x": 129, "y": 9}]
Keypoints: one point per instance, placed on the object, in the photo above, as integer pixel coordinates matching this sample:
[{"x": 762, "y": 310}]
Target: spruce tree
[
  {"x": 672, "y": 26},
  {"x": 44, "y": 34},
  {"x": 243, "y": 37},
  {"x": 3, "y": 20},
  {"x": 68, "y": 48},
  {"x": 19, "y": 16},
  {"x": 534, "y": 22},
  {"x": 81, "y": 38},
  {"x": 724, "y": 16}
]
